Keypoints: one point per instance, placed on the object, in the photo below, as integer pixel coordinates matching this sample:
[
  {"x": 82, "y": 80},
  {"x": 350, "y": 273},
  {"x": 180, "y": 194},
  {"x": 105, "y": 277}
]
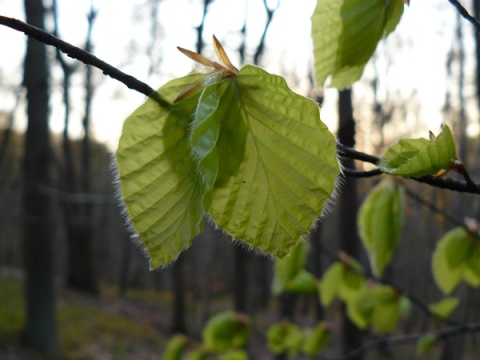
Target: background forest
[{"x": 107, "y": 303}]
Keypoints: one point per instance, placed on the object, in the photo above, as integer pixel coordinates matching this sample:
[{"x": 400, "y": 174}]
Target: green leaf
[
  {"x": 330, "y": 283},
  {"x": 380, "y": 221},
  {"x": 303, "y": 283},
  {"x": 459, "y": 247},
  {"x": 198, "y": 354},
  {"x": 226, "y": 331},
  {"x": 237, "y": 354},
  {"x": 385, "y": 315},
  {"x": 472, "y": 270},
  {"x": 346, "y": 33},
  {"x": 455, "y": 258},
  {"x": 446, "y": 277},
  {"x": 284, "y": 337},
  {"x": 378, "y": 304},
  {"x": 419, "y": 157},
  {"x": 289, "y": 267},
  {"x": 316, "y": 339},
  {"x": 175, "y": 347},
  {"x": 160, "y": 186},
  {"x": 444, "y": 308},
  {"x": 426, "y": 343},
  {"x": 228, "y": 146},
  {"x": 352, "y": 283},
  {"x": 273, "y": 199}
]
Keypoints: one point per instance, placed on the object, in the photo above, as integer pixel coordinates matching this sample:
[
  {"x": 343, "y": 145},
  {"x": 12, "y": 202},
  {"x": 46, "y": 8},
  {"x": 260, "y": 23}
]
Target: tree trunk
[
  {"x": 40, "y": 329},
  {"x": 179, "y": 320},
  {"x": 349, "y": 243},
  {"x": 240, "y": 278},
  {"x": 476, "y": 13},
  {"x": 82, "y": 275}
]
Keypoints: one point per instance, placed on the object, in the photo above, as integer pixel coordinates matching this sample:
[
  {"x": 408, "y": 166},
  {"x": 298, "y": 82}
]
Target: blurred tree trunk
[
  {"x": 81, "y": 275},
  {"x": 240, "y": 278},
  {"x": 40, "y": 328},
  {"x": 287, "y": 312},
  {"x": 349, "y": 243},
  {"x": 476, "y": 13},
  {"x": 316, "y": 265},
  {"x": 179, "y": 320}
]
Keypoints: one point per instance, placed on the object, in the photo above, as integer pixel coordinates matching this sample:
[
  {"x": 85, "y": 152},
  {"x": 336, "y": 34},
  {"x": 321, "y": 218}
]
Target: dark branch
[
  {"x": 362, "y": 174},
  {"x": 357, "y": 155},
  {"x": 466, "y": 15},
  {"x": 135, "y": 84},
  {"x": 84, "y": 56},
  {"x": 414, "y": 299},
  {"x": 408, "y": 339},
  {"x": 261, "y": 44},
  {"x": 442, "y": 183},
  {"x": 447, "y": 216}
]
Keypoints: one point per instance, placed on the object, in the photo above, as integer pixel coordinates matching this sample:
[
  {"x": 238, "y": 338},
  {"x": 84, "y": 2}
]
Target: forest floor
[{"x": 136, "y": 326}]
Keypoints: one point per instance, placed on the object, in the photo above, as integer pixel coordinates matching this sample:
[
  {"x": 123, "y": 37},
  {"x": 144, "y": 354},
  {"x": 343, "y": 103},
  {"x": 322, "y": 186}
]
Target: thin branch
[
  {"x": 84, "y": 56},
  {"x": 261, "y": 44},
  {"x": 75, "y": 197},
  {"x": 407, "y": 339},
  {"x": 362, "y": 174},
  {"x": 357, "y": 155},
  {"x": 414, "y": 299},
  {"x": 135, "y": 84},
  {"x": 447, "y": 216},
  {"x": 440, "y": 182},
  {"x": 465, "y": 14}
]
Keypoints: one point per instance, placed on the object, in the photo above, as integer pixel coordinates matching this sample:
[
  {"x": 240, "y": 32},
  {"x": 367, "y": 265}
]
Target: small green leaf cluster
[
  {"x": 418, "y": 157},
  {"x": 456, "y": 258},
  {"x": 223, "y": 338},
  {"x": 290, "y": 274},
  {"x": 367, "y": 304},
  {"x": 286, "y": 337}
]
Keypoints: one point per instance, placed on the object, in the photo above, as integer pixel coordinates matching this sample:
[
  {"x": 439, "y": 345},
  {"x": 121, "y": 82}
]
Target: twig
[
  {"x": 135, "y": 84},
  {"x": 261, "y": 44},
  {"x": 362, "y": 174},
  {"x": 449, "y": 217},
  {"x": 414, "y": 299},
  {"x": 407, "y": 339},
  {"x": 465, "y": 14},
  {"x": 84, "y": 56}
]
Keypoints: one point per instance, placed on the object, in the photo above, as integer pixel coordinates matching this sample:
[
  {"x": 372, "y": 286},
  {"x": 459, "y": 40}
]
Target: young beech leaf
[
  {"x": 426, "y": 343},
  {"x": 419, "y": 157},
  {"x": 175, "y": 347},
  {"x": 284, "y": 337},
  {"x": 452, "y": 259},
  {"x": 330, "y": 284},
  {"x": 380, "y": 221},
  {"x": 160, "y": 183},
  {"x": 272, "y": 197},
  {"x": 472, "y": 270},
  {"x": 237, "y": 354},
  {"x": 444, "y": 307},
  {"x": 226, "y": 331},
  {"x": 238, "y": 145},
  {"x": 289, "y": 267},
  {"x": 341, "y": 281},
  {"x": 303, "y": 283},
  {"x": 378, "y": 305},
  {"x": 346, "y": 33},
  {"x": 316, "y": 339}
]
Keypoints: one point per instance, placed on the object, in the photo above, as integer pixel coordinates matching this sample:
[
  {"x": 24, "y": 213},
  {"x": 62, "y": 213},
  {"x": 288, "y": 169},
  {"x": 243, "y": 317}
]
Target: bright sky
[{"x": 122, "y": 32}]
